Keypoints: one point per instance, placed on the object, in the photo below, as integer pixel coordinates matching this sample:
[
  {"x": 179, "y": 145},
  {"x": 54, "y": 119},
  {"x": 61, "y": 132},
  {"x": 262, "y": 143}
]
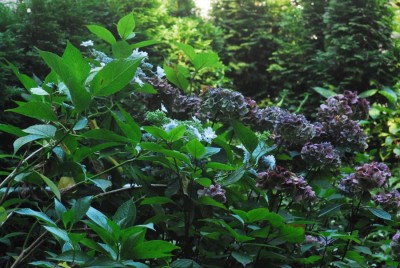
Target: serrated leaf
[
  {"x": 125, "y": 26},
  {"x": 380, "y": 213},
  {"x": 114, "y": 76},
  {"x": 47, "y": 131},
  {"x": 37, "y": 110},
  {"x": 206, "y": 60},
  {"x": 324, "y": 92},
  {"x": 102, "y": 33}
]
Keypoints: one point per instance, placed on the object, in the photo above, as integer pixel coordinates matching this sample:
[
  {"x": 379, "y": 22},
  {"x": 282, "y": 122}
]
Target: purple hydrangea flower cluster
[
  {"x": 293, "y": 128},
  {"x": 264, "y": 119},
  {"x": 389, "y": 201},
  {"x": 214, "y": 191},
  {"x": 283, "y": 180},
  {"x": 366, "y": 177},
  {"x": 180, "y": 105},
  {"x": 337, "y": 120},
  {"x": 224, "y": 105},
  {"x": 320, "y": 154},
  {"x": 348, "y": 104},
  {"x": 395, "y": 246}
]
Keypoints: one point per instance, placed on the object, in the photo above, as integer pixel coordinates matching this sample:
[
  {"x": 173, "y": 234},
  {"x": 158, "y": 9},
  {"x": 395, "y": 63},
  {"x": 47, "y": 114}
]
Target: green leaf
[
  {"x": 121, "y": 50},
  {"x": 102, "y": 184},
  {"x": 26, "y": 81},
  {"x": 37, "y": 110},
  {"x": 324, "y": 92},
  {"x": 99, "y": 218},
  {"x": 246, "y": 136},
  {"x": 12, "y": 130},
  {"x": 73, "y": 70},
  {"x": 389, "y": 94},
  {"x": 196, "y": 149},
  {"x": 63, "y": 235},
  {"x": 208, "y": 201},
  {"x": 176, "y": 133},
  {"x": 380, "y": 213},
  {"x": 145, "y": 44},
  {"x": 51, "y": 185},
  {"x": 292, "y": 234},
  {"x": 125, "y": 26},
  {"x": 243, "y": 259},
  {"x": 3, "y": 215},
  {"x": 59, "y": 208},
  {"x": 126, "y": 214},
  {"x": 184, "y": 263},
  {"x": 156, "y": 200},
  {"x": 104, "y": 134},
  {"x": 219, "y": 166},
  {"x": 153, "y": 250},
  {"x": 157, "y": 132},
  {"x": 38, "y": 215},
  {"x": 178, "y": 75},
  {"x": 114, "y": 76},
  {"x": 176, "y": 154},
  {"x": 257, "y": 214},
  {"x": 188, "y": 50},
  {"x": 234, "y": 176},
  {"x": 368, "y": 93},
  {"x": 47, "y": 131},
  {"x": 206, "y": 60},
  {"x": 80, "y": 208},
  {"x": 130, "y": 129},
  {"x": 102, "y": 33},
  {"x": 18, "y": 143},
  {"x": 205, "y": 182},
  {"x": 310, "y": 260},
  {"x": 329, "y": 209}
]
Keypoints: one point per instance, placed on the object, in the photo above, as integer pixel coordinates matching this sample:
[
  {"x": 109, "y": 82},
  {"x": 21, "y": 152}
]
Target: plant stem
[{"x": 351, "y": 226}]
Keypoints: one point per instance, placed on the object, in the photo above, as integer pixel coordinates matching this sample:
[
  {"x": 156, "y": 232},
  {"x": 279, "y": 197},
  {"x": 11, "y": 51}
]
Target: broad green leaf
[
  {"x": 184, "y": 263},
  {"x": 146, "y": 88},
  {"x": 205, "y": 182},
  {"x": 157, "y": 132},
  {"x": 114, "y": 76},
  {"x": 126, "y": 214},
  {"x": 243, "y": 259},
  {"x": 130, "y": 130},
  {"x": 234, "y": 176},
  {"x": 47, "y": 131},
  {"x": 389, "y": 94},
  {"x": 42, "y": 264},
  {"x": 37, "y": 110},
  {"x": 188, "y": 50},
  {"x": 72, "y": 70},
  {"x": 176, "y": 154},
  {"x": 310, "y": 260},
  {"x": 206, "y": 60},
  {"x": 102, "y": 184},
  {"x": 102, "y": 33},
  {"x": 59, "y": 208},
  {"x": 324, "y": 92},
  {"x": 125, "y": 26},
  {"x": 220, "y": 166},
  {"x": 380, "y": 213},
  {"x": 104, "y": 134},
  {"x": 80, "y": 208},
  {"x": 98, "y": 218},
  {"x": 176, "y": 133},
  {"x": 292, "y": 234},
  {"x": 177, "y": 75},
  {"x": 145, "y": 44},
  {"x": 156, "y": 200},
  {"x": 195, "y": 148},
  {"x": 81, "y": 124},
  {"x": 18, "y": 143},
  {"x": 257, "y": 214},
  {"x": 246, "y": 136},
  {"x": 153, "y": 249},
  {"x": 38, "y": 215},
  {"x": 12, "y": 130},
  {"x": 63, "y": 235},
  {"x": 368, "y": 93},
  {"x": 26, "y": 81},
  {"x": 329, "y": 209},
  {"x": 206, "y": 200},
  {"x": 51, "y": 185},
  {"x": 121, "y": 50}
]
